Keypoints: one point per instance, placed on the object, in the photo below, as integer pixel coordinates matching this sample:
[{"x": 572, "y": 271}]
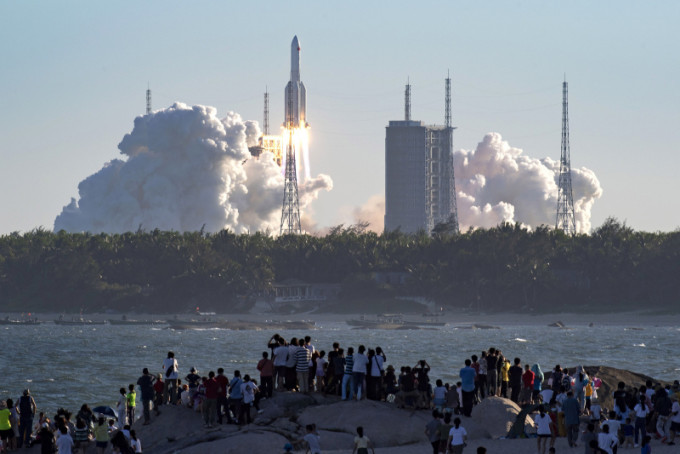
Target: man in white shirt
[
  {"x": 280, "y": 359},
  {"x": 359, "y": 371},
  {"x": 606, "y": 441},
  {"x": 171, "y": 373}
]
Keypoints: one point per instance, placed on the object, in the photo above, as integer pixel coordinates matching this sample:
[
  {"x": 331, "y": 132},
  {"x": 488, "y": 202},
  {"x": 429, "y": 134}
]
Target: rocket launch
[{"x": 296, "y": 95}]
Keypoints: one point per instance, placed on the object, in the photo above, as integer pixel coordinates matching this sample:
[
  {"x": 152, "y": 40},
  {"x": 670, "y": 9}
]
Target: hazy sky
[{"x": 74, "y": 75}]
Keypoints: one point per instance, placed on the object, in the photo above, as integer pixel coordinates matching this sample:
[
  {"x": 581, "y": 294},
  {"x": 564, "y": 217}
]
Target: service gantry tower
[
  {"x": 453, "y": 205},
  {"x": 290, "y": 211},
  {"x": 565, "y": 200}
]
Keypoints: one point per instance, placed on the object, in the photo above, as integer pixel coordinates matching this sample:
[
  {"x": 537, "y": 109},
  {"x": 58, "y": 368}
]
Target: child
[
  {"x": 131, "y": 397},
  {"x": 628, "y": 431},
  {"x": 134, "y": 442},
  {"x": 312, "y": 439}
]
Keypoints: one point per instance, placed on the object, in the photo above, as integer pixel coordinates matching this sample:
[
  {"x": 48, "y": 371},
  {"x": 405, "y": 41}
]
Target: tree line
[{"x": 502, "y": 268}]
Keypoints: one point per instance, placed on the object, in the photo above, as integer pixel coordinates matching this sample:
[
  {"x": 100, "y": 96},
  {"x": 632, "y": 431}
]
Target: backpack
[{"x": 566, "y": 382}]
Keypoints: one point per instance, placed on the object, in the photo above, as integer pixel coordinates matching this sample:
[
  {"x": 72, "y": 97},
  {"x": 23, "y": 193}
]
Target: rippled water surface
[{"x": 65, "y": 366}]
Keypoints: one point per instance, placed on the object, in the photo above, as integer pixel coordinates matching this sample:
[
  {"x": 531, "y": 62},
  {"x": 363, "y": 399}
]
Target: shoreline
[{"x": 569, "y": 319}]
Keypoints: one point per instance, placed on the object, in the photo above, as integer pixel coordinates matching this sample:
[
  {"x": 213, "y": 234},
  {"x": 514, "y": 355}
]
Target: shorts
[
  {"x": 544, "y": 435},
  {"x": 6, "y": 434},
  {"x": 102, "y": 444},
  {"x": 675, "y": 426}
]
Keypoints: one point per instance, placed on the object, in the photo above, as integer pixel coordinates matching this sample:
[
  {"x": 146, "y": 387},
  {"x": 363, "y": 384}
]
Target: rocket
[{"x": 296, "y": 95}]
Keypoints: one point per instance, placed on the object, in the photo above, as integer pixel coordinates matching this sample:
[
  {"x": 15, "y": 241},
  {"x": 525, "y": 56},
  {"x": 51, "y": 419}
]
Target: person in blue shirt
[
  {"x": 235, "y": 395},
  {"x": 467, "y": 377},
  {"x": 571, "y": 409}
]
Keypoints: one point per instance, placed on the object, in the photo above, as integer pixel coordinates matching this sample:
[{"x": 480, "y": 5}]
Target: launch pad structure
[
  {"x": 420, "y": 188},
  {"x": 565, "y": 201}
]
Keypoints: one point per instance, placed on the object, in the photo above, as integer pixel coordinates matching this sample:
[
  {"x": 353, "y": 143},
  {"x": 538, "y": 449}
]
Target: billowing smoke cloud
[
  {"x": 497, "y": 183},
  {"x": 185, "y": 169}
]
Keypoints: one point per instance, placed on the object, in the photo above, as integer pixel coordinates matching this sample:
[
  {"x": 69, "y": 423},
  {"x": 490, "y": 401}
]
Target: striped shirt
[
  {"x": 302, "y": 357},
  {"x": 349, "y": 364}
]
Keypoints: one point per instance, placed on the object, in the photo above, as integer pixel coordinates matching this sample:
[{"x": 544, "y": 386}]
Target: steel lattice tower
[
  {"x": 407, "y": 101},
  {"x": 565, "y": 200},
  {"x": 453, "y": 204},
  {"x": 290, "y": 211},
  {"x": 266, "y": 112},
  {"x": 148, "y": 100}
]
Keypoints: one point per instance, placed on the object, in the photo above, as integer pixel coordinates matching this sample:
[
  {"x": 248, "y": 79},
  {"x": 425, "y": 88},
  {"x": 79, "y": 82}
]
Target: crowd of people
[{"x": 563, "y": 402}]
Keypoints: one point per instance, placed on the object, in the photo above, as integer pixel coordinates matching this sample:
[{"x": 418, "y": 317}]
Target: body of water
[{"x": 66, "y": 366}]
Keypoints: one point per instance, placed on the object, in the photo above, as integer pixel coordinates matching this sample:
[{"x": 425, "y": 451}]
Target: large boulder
[
  {"x": 261, "y": 442},
  {"x": 497, "y": 415},
  {"x": 384, "y": 423}
]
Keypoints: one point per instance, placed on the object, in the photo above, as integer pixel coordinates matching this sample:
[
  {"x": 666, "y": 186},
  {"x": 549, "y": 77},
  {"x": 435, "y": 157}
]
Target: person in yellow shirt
[
  {"x": 505, "y": 378},
  {"x": 131, "y": 397},
  {"x": 101, "y": 435},
  {"x": 6, "y": 431}
]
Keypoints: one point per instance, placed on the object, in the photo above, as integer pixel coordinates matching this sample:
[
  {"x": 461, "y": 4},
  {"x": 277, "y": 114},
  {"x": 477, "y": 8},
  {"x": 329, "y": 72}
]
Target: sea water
[{"x": 66, "y": 366}]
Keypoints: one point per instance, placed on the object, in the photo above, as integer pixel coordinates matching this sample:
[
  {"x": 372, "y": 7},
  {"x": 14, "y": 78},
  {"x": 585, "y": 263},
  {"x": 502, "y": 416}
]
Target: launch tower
[
  {"x": 296, "y": 118},
  {"x": 148, "y": 100},
  {"x": 565, "y": 201}
]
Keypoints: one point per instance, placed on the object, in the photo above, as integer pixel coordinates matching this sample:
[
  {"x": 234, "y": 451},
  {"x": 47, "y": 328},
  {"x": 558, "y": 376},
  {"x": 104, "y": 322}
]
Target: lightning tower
[
  {"x": 565, "y": 201},
  {"x": 148, "y": 100},
  {"x": 407, "y": 101},
  {"x": 266, "y": 113},
  {"x": 453, "y": 204}
]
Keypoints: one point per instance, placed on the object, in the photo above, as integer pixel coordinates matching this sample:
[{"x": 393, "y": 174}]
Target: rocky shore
[{"x": 283, "y": 418}]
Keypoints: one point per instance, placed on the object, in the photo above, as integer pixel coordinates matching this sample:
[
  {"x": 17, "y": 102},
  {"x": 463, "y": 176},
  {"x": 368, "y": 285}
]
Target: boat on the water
[
  {"x": 78, "y": 322},
  {"x": 241, "y": 324},
  {"x": 126, "y": 321},
  {"x": 31, "y": 321},
  {"x": 392, "y": 321}
]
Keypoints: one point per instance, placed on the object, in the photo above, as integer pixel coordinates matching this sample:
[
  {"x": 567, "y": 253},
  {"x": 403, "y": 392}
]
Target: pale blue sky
[{"x": 74, "y": 75}]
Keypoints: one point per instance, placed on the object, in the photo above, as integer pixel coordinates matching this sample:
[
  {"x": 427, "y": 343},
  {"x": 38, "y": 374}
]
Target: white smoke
[
  {"x": 185, "y": 169},
  {"x": 497, "y": 183}
]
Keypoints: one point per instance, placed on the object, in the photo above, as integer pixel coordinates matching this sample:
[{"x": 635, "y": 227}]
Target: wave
[
  {"x": 639, "y": 345},
  {"x": 519, "y": 339}
]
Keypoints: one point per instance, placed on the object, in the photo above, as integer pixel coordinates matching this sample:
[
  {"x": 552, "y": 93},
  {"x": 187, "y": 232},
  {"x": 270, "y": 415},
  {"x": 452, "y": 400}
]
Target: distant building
[
  {"x": 418, "y": 168},
  {"x": 295, "y": 290}
]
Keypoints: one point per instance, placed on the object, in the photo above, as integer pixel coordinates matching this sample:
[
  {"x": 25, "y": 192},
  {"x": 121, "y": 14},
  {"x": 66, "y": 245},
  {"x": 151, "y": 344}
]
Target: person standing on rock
[
  {"x": 542, "y": 421},
  {"x": 302, "y": 358},
  {"x": 170, "y": 369},
  {"x": 359, "y": 372},
  {"x": 457, "y": 438},
  {"x": 347, "y": 376},
  {"x": 27, "y": 409},
  {"x": 467, "y": 376},
  {"x": 492, "y": 372},
  {"x": 266, "y": 368},
  {"x": 145, "y": 383},
  {"x": 515, "y": 375},
  {"x": 280, "y": 359},
  {"x": 505, "y": 376},
  {"x": 431, "y": 431},
  {"x": 210, "y": 402},
  {"x": 571, "y": 410},
  {"x": 291, "y": 362},
  {"x": 235, "y": 394},
  {"x": 362, "y": 442}
]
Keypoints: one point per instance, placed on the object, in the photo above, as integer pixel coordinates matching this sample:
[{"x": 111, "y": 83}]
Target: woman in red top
[{"x": 527, "y": 385}]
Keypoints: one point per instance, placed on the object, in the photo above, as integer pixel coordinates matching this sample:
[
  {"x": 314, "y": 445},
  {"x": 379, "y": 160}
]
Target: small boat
[
  {"x": 78, "y": 322},
  {"x": 196, "y": 324},
  {"x": 7, "y": 321},
  {"x": 126, "y": 321}
]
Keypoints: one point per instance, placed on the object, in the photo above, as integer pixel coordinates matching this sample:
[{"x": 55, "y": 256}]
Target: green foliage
[{"x": 503, "y": 268}]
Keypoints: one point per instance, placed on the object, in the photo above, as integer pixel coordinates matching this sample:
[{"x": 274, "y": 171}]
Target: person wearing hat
[{"x": 27, "y": 410}]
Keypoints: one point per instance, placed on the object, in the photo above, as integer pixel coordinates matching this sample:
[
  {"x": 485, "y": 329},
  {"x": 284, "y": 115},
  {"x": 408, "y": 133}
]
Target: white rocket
[{"x": 296, "y": 95}]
